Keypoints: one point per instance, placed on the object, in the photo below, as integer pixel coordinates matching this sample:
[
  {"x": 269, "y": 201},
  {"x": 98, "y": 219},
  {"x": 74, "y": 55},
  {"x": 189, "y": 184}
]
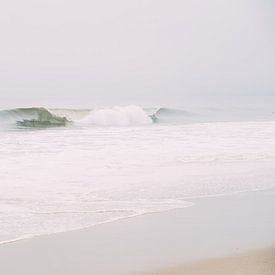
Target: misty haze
[{"x": 137, "y": 137}]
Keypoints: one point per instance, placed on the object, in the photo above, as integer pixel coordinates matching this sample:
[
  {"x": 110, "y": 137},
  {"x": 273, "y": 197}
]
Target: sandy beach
[
  {"x": 202, "y": 235},
  {"x": 257, "y": 262}
]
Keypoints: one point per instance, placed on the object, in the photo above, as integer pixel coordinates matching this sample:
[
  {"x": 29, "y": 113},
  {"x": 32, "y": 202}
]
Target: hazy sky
[{"x": 61, "y": 52}]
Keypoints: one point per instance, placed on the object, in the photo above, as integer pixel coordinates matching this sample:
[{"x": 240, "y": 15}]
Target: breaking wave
[
  {"x": 122, "y": 116},
  {"x": 39, "y": 117},
  {"x": 32, "y": 117},
  {"x": 170, "y": 115}
]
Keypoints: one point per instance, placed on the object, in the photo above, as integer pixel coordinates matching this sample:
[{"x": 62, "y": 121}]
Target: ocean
[{"x": 65, "y": 169}]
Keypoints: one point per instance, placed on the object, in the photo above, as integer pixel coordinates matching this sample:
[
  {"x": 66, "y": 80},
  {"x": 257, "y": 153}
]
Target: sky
[{"x": 85, "y": 52}]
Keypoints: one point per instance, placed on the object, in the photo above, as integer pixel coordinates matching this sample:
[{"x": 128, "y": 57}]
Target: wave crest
[{"x": 32, "y": 117}]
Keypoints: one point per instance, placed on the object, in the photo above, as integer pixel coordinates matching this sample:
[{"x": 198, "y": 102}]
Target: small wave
[
  {"x": 166, "y": 115},
  {"x": 102, "y": 211}
]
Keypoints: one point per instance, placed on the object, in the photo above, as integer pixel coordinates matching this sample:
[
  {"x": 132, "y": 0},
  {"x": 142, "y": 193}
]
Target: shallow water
[{"x": 60, "y": 179}]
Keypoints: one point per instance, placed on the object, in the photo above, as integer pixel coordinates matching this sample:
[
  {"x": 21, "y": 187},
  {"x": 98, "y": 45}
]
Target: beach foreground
[
  {"x": 214, "y": 227},
  {"x": 258, "y": 262}
]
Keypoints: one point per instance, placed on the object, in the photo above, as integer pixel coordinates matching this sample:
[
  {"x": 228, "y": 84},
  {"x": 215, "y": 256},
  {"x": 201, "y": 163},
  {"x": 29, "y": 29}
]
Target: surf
[{"x": 41, "y": 117}]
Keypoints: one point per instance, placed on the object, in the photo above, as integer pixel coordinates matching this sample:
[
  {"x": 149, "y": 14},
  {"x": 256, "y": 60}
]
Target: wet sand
[{"x": 213, "y": 228}]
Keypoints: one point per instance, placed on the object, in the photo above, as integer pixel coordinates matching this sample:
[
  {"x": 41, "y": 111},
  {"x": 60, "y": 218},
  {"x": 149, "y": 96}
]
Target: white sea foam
[
  {"x": 122, "y": 116},
  {"x": 60, "y": 179}
]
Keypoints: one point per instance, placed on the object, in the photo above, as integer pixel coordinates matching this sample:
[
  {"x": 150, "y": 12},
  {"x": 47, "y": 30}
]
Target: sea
[{"x": 64, "y": 169}]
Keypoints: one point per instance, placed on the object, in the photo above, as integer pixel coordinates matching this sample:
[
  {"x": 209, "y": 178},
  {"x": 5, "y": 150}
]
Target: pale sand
[
  {"x": 260, "y": 262},
  {"x": 214, "y": 227}
]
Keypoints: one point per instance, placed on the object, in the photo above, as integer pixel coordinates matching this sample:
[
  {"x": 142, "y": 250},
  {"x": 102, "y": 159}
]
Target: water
[{"x": 62, "y": 178}]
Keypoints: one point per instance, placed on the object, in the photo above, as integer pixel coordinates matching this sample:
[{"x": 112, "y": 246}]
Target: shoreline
[
  {"x": 22, "y": 238},
  {"x": 185, "y": 200},
  {"x": 213, "y": 227}
]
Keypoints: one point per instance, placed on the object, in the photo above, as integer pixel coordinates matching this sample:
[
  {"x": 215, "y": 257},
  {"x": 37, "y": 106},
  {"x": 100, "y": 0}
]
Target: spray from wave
[
  {"x": 122, "y": 116},
  {"x": 39, "y": 117}
]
